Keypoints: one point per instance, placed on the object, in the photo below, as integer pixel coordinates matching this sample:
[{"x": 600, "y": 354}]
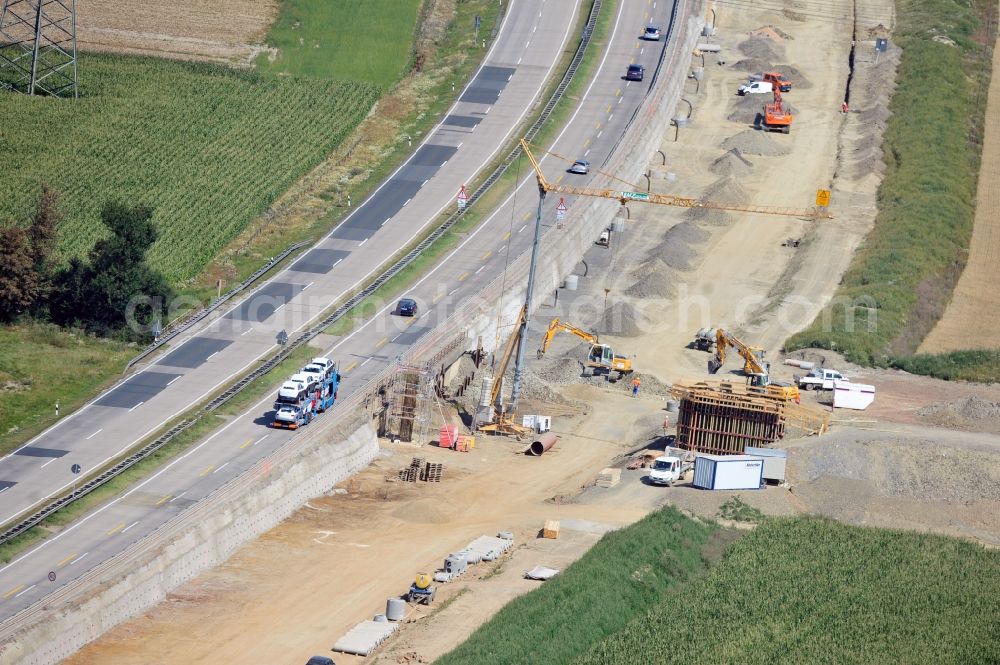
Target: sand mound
[
  {"x": 762, "y": 48},
  {"x": 753, "y": 65},
  {"x": 622, "y": 319},
  {"x": 795, "y": 75},
  {"x": 733, "y": 163},
  {"x": 723, "y": 190},
  {"x": 653, "y": 279},
  {"x": 422, "y": 511},
  {"x": 753, "y": 142},
  {"x": 770, "y": 32}
]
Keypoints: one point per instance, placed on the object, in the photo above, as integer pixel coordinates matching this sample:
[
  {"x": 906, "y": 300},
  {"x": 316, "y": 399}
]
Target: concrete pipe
[{"x": 542, "y": 444}]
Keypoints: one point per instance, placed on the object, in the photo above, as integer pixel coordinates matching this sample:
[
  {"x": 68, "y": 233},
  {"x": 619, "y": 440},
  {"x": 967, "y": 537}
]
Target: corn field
[
  {"x": 208, "y": 147},
  {"x": 810, "y": 590}
]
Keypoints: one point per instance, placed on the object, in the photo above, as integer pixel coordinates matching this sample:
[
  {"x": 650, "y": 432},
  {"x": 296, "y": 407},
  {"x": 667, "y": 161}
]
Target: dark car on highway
[
  {"x": 635, "y": 72},
  {"x": 407, "y": 307}
]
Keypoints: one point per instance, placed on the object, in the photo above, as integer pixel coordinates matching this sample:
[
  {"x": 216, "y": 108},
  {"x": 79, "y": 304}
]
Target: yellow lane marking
[
  {"x": 506, "y": 236},
  {"x": 207, "y": 471},
  {"x": 164, "y": 499},
  {"x": 609, "y": 108},
  {"x": 246, "y": 443},
  {"x": 619, "y": 93},
  {"x": 13, "y": 591},
  {"x": 586, "y": 143},
  {"x": 116, "y": 529},
  {"x": 440, "y": 295},
  {"x": 67, "y": 560},
  {"x": 527, "y": 216},
  {"x": 597, "y": 125},
  {"x": 560, "y": 178},
  {"x": 382, "y": 342},
  {"x": 351, "y": 366},
  {"x": 487, "y": 254},
  {"x": 463, "y": 276}
]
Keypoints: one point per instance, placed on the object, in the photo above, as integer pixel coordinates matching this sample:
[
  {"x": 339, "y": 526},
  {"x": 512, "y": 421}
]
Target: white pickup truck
[
  {"x": 819, "y": 379},
  {"x": 667, "y": 470}
]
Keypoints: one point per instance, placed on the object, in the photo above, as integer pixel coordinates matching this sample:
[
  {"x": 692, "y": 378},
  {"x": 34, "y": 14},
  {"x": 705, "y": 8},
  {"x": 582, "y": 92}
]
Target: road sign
[
  {"x": 282, "y": 338},
  {"x": 822, "y": 197},
  {"x": 479, "y": 20},
  {"x": 157, "y": 329},
  {"x": 463, "y": 198},
  {"x": 561, "y": 210},
  {"x": 52, "y": 576},
  {"x": 881, "y": 44},
  {"x": 76, "y": 469},
  {"x": 635, "y": 196}
]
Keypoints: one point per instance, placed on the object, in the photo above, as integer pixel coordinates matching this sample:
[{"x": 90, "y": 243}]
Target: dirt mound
[
  {"x": 795, "y": 75},
  {"x": 770, "y": 32},
  {"x": 623, "y": 320},
  {"x": 747, "y": 109},
  {"x": 723, "y": 190},
  {"x": 753, "y": 65},
  {"x": 762, "y": 48},
  {"x": 754, "y": 142},
  {"x": 675, "y": 248},
  {"x": 653, "y": 279},
  {"x": 422, "y": 511},
  {"x": 565, "y": 369},
  {"x": 970, "y": 413},
  {"x": 732, "y": 163}
]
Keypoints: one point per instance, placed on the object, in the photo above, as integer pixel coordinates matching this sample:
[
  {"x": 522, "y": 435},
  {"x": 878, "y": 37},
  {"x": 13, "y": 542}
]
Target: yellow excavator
[
  {"x": 600, "y": 359},
  {"x": 755, "y": 368}
]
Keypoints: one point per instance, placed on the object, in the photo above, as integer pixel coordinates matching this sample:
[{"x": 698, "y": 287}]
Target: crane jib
[{"x": 635, "y": 196}]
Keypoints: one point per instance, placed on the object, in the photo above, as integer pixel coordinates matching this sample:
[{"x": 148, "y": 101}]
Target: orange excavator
[{"x": 776, "y": 116}]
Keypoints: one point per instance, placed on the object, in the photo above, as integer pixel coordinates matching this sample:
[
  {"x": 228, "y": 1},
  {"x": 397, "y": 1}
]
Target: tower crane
[{"x": 629, "y": 196}]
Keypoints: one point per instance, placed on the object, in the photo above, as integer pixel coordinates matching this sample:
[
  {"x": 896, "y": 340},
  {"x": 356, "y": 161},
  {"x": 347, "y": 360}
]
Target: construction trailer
[
  {"x": 774, "y": 462},
  {"x": 728, "y": 472},
  {"x": 724, "y": 418}
]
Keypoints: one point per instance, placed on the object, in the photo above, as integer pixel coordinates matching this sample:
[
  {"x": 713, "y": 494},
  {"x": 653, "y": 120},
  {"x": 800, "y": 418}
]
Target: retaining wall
[{"x": 277, "y": 490}]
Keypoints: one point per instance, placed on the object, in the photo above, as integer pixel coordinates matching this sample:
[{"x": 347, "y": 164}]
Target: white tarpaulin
[
  {"x": 847, "y": 395},
  {"x": 541, "y": 573}
]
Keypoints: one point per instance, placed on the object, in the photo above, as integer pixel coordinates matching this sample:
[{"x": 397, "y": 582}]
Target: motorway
[{"x": 489, "y": 110}]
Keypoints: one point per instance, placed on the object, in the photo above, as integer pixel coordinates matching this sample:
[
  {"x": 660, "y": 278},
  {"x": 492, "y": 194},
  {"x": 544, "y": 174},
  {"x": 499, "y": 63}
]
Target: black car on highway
[
  {"x": 635, "y": 72},
  {"x": 407, "y": 307}
]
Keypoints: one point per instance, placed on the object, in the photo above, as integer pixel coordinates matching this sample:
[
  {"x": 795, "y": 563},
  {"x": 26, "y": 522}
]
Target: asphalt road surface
[{"x": 487, "y": 113}]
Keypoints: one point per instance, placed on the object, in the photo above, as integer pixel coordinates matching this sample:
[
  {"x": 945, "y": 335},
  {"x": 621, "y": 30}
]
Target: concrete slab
[
  {"x": 32, "y": 451},
  {"x": 319, "y": 260},
  {"x": 194, "y": 352},
  {"x": 365, "y": 637},
  {"x": 137, "y": 390},
  {"x": 264, "y": 302},
  {"x": 6, "y": 485},
  {"x": 411, "y": 336},
  {"x": 467, "y": 121},
  {"x": 386, "y": 203},
  {"x": 488, "y": 85}
]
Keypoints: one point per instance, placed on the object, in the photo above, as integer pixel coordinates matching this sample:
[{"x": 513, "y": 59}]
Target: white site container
[
  {"x": 728, "y": 472},
  {"x": 774, "y": 462},
  {"x": 847, "y": 395}
]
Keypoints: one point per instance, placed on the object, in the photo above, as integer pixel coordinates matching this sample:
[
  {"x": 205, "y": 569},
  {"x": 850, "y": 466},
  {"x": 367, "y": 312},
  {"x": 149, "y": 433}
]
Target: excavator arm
[
  {"x": 751, "y": 362},
  {"x": 555, "y": 326}
]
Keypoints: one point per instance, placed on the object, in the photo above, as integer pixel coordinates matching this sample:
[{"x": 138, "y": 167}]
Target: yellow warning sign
[{"x": 823, "y": 197}]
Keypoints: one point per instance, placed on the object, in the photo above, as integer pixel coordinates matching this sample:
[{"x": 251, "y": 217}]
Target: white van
[{"x": 756, "y": 88}]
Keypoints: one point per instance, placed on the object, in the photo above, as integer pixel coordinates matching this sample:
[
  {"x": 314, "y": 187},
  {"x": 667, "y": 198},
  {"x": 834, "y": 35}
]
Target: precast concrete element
[{"x": 202, "y": 537}]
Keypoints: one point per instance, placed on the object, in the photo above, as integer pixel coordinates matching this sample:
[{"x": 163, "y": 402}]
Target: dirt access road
[
  {"x": 224, "y": 30},
  {"x": 972, "y": 319}
]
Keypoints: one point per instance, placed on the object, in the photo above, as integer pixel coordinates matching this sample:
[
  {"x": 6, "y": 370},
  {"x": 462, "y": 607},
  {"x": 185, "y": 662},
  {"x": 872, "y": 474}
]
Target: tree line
[{"x": 104, "y": 294}]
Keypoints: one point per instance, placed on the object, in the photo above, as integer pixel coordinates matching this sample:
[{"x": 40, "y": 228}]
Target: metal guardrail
[
  {"x": 202, "y": 313},
  {"x": 265, "y": 367}
]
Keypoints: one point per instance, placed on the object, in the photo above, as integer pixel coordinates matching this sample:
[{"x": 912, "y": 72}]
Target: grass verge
[
  {"x": 811, "y": 590},
  {"x": 901, "y": 278},
  {"x": 42, "y": 364},
  {"x": 620, "y": 577},
  {"x": 356, "y": 40},
  {"x": 982, "y": 366}
]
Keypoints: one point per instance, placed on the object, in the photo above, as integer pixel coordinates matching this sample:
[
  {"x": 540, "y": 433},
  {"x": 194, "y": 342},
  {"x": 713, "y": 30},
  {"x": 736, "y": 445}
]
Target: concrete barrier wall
[
  {"x": 562, "y": 249},
  {"x": 328, "y": 457}
]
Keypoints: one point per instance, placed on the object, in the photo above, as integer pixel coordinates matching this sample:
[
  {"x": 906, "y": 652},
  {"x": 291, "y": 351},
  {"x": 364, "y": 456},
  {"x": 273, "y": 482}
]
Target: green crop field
[
  {"x": 208, "y": 147},
  {"x": 810, "y": 590},
  {"x": 623, "y": 574},
  {"x": 311, "y": 35}
]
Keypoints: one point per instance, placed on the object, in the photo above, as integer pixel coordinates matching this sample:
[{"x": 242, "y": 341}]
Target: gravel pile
[
  {"x": 732, "y": 163},
  {"x": 723, "y": 190},
  {"x": 753, "y": 66},
  {"x": 795, "y": 75},
  {"x": 465, "y": 368},
  {"x": 675, "y": 248},
  {"x": 968, "y": 410},
  {"x": 562, "y": 370},
  {"x": 621, "y": 319},
  {"x": 653, "y": 279},
  {"x": 761, "y": 48},
  {"x": 753, "y": 142}
]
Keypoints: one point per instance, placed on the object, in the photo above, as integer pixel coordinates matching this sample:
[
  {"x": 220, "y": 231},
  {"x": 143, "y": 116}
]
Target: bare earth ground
[
  {"x": 225, "y": 30},
  {"x": 295, "y": 591},
  {"x": 972, "y": 319}
]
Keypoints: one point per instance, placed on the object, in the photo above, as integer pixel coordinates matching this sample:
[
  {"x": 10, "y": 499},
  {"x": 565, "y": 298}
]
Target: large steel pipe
[{"x": 543, "y": 443}]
